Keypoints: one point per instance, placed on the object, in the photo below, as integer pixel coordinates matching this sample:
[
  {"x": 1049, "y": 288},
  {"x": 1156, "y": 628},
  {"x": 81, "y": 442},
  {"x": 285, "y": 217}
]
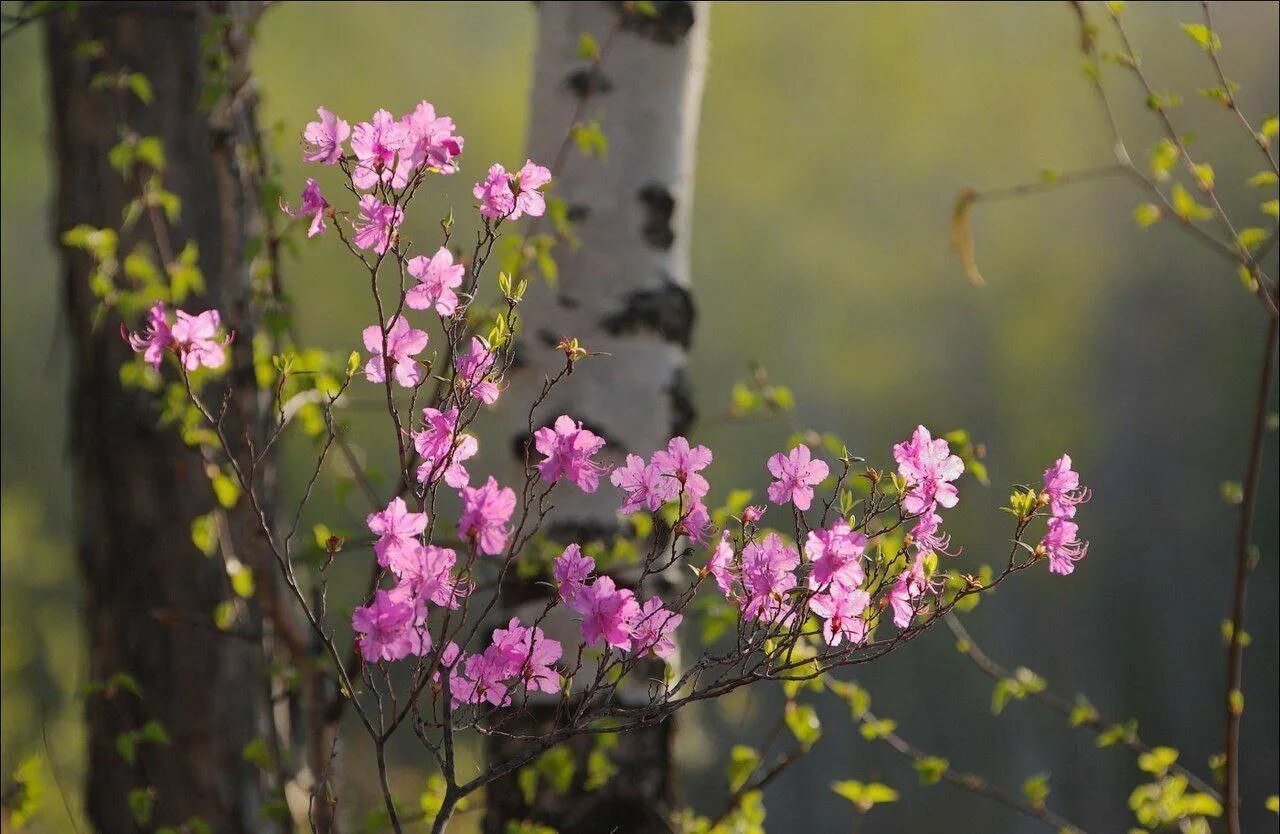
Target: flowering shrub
[{"x": 846, "y": 564}]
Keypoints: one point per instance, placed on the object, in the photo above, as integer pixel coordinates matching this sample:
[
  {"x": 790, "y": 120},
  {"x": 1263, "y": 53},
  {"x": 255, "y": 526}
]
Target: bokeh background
[{"x": 833, "y": 139}]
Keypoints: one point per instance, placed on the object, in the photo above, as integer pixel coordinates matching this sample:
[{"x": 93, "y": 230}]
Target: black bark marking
[
  {"x": 667, "y": 310},
  {"x": 577, "y": 212},
  {"x": 672, "y": 22},
  {"x": 659, "y": 207},
  {"x": 587, "y": 82},
  {"x": 683, "y": 412}
]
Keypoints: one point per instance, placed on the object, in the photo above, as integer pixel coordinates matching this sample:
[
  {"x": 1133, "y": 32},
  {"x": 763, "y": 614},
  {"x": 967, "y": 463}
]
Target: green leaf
[
  {"x": 1036, "y": 789},
  {"x": 930, "y": 769},
  {"x": 257, "y": 753},
  {"x": 588, "y": 49},
  {"x": 204, "y": 534},
  {"x": 1147, "y": 214},
  {"x": 1204, "y": 36},
  {"x": 1232, "y": 492},
  {"x": 1186, "y": 207},
  {"x": 743, "y": 761},
  {"x": 1262, "y": 178},
  {"x": 881, "y": 727},
  {"x": 140, "y": 86},
  {"x": 225, "y": 489},
  {"x": 803, "y": 721},
  {"x": 1083, "y": 712},
  {"x": 242, "y": 581},
  {"x": 1269, "y": 127},
  {"x": 865, "y": 796},
  {"x": 1158, "y": 761},
  {"x": 1271, "y": 207},
  {"x": 141, "y": 804}
]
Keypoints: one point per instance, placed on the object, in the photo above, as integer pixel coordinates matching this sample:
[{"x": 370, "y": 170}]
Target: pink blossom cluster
[
  {"x": 611, "y": 616},
  {"x": 193, "y": 339},
  {"x": 517, "y": 656},
  {"x": 1063, "y": 493},
  {"x": 671, "y": 475}
]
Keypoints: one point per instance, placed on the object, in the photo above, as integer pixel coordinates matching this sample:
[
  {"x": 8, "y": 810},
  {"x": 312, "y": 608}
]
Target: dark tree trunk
[
  {"x": 625, "y": 292},
  {"x": 149, "y": 593}
]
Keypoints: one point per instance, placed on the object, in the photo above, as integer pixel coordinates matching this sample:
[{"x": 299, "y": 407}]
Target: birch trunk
[{"x": 625, "y": 292}]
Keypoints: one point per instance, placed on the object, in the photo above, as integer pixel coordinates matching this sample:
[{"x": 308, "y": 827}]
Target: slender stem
[{"x": 1244, "y": 531}]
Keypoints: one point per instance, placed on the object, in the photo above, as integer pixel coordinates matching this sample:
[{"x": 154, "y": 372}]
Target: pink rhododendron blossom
[
  {"x": 911, "y": 586},
  {"x": 155, "y": 339},
  {"x": 795, "y": 475},
  {"x": 443, "y": 448},
  {"x": 1062, "y": 488},
  {"x": 376, "y": 144},
  {"x": 196, "y": 338},
  {"x": 481, "y": 681},
  {"x": 385, "y": 628},
  {"x": 528, "y": 180},
  {"x": 695, "y": 523},
  {"x": 567, "y": 448},
  {"x": 403, "y": 344},
  {"x": 313, "y": 203},
  {"x": 571, "y": 572},
  {"x": 836, "y": 555},
  {"x": 1061, "y": 543},
  {"x": 646, "y": 487},
  {"x": 397, "y": 530},
  {"x": 721, "y": 565},
  {"x": 928, "y": 467},
  {"x": 473, "y": 369},
  {"x": 438, "y": 277},
  {"x": 429, "y": 140},
  {"x": 497, "y": 200},
  {"x": 768, "y": 574},
  {"x": 377, "y": 224},
  {"x": 927, "y": 536},
  {"x": 680, "y": 464},
  {"x": 655, "y": 628},
  {"x": 323, "y": 139},
  {"x": 608, "y": 613},
  {"x": 841, "y": 612},
  {"x": 511, "y": 196},
  {"x": 526, "y": 654},
  {"x": 426, "y": 576},
  {"x": 485, "y": 512},
  {"x": 752, "y": 513}
]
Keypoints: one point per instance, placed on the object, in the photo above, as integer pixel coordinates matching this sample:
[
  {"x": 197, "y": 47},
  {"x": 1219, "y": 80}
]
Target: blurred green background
[{"x": 833, "y": 139}]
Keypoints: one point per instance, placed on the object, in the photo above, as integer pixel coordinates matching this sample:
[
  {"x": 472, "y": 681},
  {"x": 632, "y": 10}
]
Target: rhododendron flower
[
  {"x": 481, "y": 681},
  {"x": 527, "y": 654},
  {"x": 646, "y": 487},
  {"x": 378, "y": 224},
  {"x": 437, "y": 276},
  {"x": 928, "y": 467},
  {"x": 385, "y": 628},
  {"x": 841, "y": 612},
  {"x": 836, "y": 555},
  {"x": 695, "y": 523},
  {"x": 473, "y": 369},
  {"x": 426, "y": 575},
  {"x": 795, "y": 475},
  {"x": 655, "y": 629},
  {"x": 1062, "y": 488},
  {"x": 721, "y": 566},
  {"x": 313, "y": 203},
  {"x": 376, "y": 144},
  {"x": 485, "y": 512},
  {"x": 429, "y": 141},
  {"x": 768, "y": 574},
  {"x": 397, "y": 530},
  {"x": 511, "y": 196},
  {"x": 155, "y": 339},
  {"x": 911, "y": 585},
  {"x": 443, "y": 449},
  {"x": 1061, "y": 543},
  {"x": 608, "y": 613},
  {"x": 567, "y": 449},
  {"x": 196, "y": 338},
  {"x": 681, "y": 464},
  {"x": 403, "y": 344},
  {"x": 926, "y": 535},
  {"x": 571, "y": 571},
  {"x": 752, "y": 513},
  {"x": 323, "y": 139}
]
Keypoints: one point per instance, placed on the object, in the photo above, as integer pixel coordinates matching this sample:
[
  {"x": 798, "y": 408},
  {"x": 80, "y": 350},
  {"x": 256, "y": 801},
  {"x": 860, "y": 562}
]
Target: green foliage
[
  {"x": 1024, "y": 682},
  {"x": 743, "y": 761},
  {"x": 865, "y": 796},
  {"x": 1036, "y": 789},
  {"x": 802, "y": 720},
  {"x": 931, "y": 769}
]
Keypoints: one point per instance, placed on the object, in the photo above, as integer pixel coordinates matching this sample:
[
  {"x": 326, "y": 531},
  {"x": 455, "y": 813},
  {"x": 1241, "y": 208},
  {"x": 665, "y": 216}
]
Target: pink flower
[
  {"x": 836, "y": 555},
  {"x": 911, "y": 585},
  {"x": 567, "y": 449},
  {"x": 473, "y": 369},
  {"x": 609, "y": 613},
  {"x": 196, "y": 338},
  {"x": 443, "y": 449},
  {"x": 928, "y": 467},
  {"x": 681, "y": 464},
  {"x": 376, "y": 144},
  {"x": 841, "y": 611},
  {"x": 155, "y": 339},
  {"x": 481, "y": 681},
  {"x": 926, "y": 535},
  {"x": 695, "y": 523},
  {"x": 385, "y": 628},
  {"x": 397, "y": 530},
  {"x": 571, "y": 572},
  {"x": 721, "y": 564},
  {"x": 527, "y": 654},
  {"x": 378, "y": 225},
  {"x": 752, "y": 514},
  {"x": 511, "y": 196},
  {"x": 655, "y": 629},
  {"x": 485, "y": 513},
  {"x": 1062, "y": 486},
  {"x": 313, "y": 203},
  {"x": 1061, "y": 543},
  {"x": 646, "y": 487},
  {"x": 437, "y": 279},
  {"x": 403, "y": 343},
  {"x": 429, "y": 141},
  {"x": 768, "y": 575},
  {"x": 323, "y": 139},
  {"x": 426, "y": 575},
  {"x": 795, "y": 476}
]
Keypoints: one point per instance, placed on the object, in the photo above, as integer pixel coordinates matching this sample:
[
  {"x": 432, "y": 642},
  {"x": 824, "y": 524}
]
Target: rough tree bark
[
  {"x": 625, "y": 292},
  {"x": 149, "y": 594}
]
